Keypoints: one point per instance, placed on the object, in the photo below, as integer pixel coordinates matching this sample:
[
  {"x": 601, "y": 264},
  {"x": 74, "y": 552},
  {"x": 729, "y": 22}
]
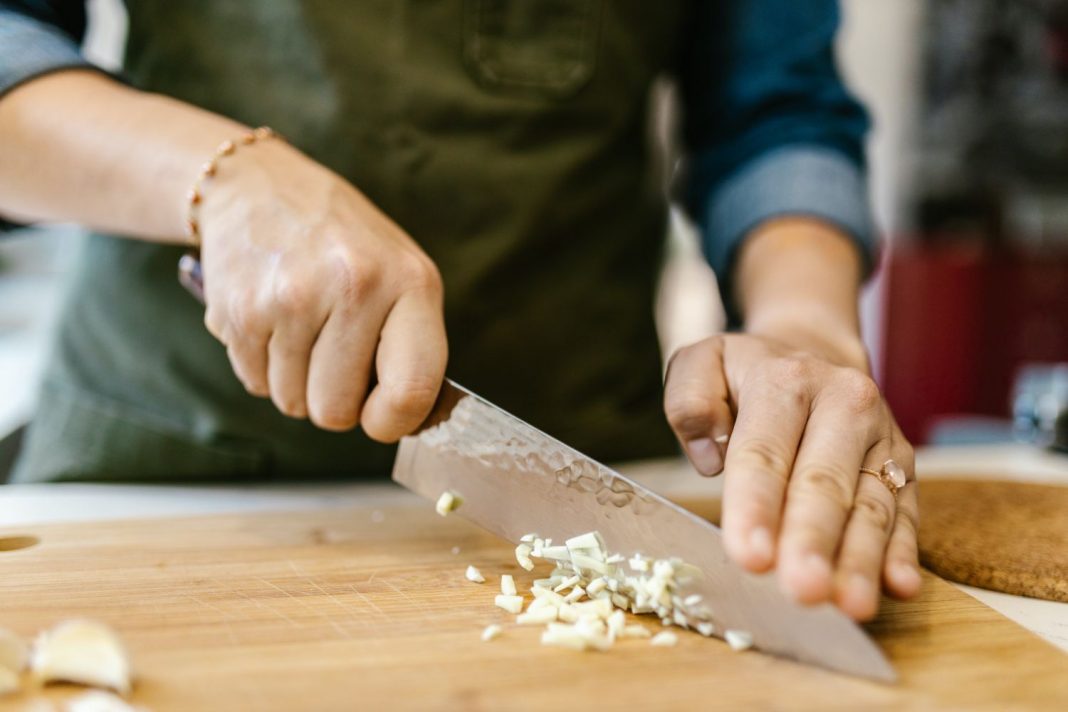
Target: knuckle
[
  {"x": 875, "y": 511},
  {"x": 356, "y": 279},
  {"x": 688, "y": 411},
  {"x": 827, "y": 483},
  {"x": 411, "y": 398},
  {"x": 766, "y": 457},
  {"x": 791, "y": 371},
  {"x": 420, "y": 273},
  {"x": 860, "y": 391},
  {"x": 334, "y": 416},
  {"x": 293, "y": 296}
]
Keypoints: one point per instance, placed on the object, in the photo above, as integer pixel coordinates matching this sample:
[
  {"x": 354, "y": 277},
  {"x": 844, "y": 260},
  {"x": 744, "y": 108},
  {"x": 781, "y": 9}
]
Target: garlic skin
[
  {"x": 81, "y": 651},
  {"x": 9, "y": 681},
  {"x": 14, "y": 653}
]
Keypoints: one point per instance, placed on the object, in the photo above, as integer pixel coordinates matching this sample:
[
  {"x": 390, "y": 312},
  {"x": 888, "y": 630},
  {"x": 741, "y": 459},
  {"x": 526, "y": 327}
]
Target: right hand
[{"x": 312, "y": 289}]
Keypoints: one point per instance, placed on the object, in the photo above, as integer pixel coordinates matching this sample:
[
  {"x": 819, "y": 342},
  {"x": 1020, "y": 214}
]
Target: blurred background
[{"x": 966, "y": 321}]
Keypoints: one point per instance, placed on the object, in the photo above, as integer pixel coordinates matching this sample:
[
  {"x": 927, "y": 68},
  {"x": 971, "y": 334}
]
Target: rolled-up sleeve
[
  {"x": 38, "y": 37},
  {"x": 770, "y": 129}
]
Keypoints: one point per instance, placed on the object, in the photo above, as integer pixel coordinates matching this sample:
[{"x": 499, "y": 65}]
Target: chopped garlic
[
  {"x": 473, "y": 574},
  {"x": 555, "y": 553},
  {"x": 528, "y": 538},
  {"x": 616, "y": 622},
  {"x": 522, "y": 555},
  {"x": 512, "y": 604},
  {"x": 449, "y": 501},
  {"x": 639, "y": 563},
  {"x": 539, "y": 616},
  {"x": 84, "y": 652},
  {"x": 507, "y": 585},
  {"x": 665, "y": 639},
  {"x": 13, "y": 651},
  {"x": 490, "y": 632},
  {"x": 576, "y": 593},
  {"x": 97, "y": 701},
  {"x": 597, "y": 585},
  {"x": 636, "y": 630},
  {"x": 567, "y": 583},
  {"x": 739, "y": 639},
  {"x": 706, "y": 629},
  {"x": 9, "y": 681}
]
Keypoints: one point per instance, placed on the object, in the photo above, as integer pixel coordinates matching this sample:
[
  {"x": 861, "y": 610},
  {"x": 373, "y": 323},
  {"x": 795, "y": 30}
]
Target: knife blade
[{"x": 515, "y": 479}]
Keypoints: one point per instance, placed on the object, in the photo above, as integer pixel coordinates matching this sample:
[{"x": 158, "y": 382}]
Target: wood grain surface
[
  {"x": 1003, "y": 536},
  {"x": 369, "y": 610}
]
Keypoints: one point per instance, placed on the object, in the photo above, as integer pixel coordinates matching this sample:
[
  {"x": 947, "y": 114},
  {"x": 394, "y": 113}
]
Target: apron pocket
[
  {"x": 540, "y": 47},
  {"x": 78, "y": 436}
]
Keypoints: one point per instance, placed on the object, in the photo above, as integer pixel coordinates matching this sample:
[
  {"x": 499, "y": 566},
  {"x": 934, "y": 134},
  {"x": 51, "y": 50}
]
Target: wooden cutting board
[{"x": 369, "y": 610}]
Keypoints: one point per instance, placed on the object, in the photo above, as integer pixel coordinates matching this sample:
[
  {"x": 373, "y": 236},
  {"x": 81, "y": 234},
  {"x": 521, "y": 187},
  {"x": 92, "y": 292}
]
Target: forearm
[
  {"x": 79, "y": 147},
  {"x": 798, "y": 280}
]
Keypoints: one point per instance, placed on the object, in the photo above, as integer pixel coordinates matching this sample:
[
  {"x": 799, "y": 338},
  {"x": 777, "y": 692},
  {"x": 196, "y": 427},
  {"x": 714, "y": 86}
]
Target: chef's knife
[{"x": 515, "y": 479}]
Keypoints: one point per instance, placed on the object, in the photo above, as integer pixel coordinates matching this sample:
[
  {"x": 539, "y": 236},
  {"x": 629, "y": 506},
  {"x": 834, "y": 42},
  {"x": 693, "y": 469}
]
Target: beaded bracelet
[{"x": 208, "y": 170}]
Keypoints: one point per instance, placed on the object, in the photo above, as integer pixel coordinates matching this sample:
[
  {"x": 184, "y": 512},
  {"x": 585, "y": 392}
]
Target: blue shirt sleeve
[
  {"x": 769, "y": 127},
  {"x": 37, "y": 37}
]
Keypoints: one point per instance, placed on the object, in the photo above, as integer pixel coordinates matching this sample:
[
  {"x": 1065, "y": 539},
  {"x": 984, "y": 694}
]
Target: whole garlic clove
[{"x": 81, "y": 651}]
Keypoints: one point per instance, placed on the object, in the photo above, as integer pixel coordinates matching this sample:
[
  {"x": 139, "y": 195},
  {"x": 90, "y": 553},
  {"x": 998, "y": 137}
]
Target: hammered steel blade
[{"x": 514, "y": 479}]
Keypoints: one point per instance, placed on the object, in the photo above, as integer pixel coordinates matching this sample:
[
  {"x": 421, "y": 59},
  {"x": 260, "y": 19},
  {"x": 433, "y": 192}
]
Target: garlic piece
[
  {"x": 636, "y": 630},
  {"x": 81, "y": 651},
  {"x": 9, "y": 681},
  {"x": 522, "y": 555},
  {"x": 449, "y": 501},
  {"x": 664, "y": 639},
  {"x": 739, "y": 639},
  {"x": 706, "y": 629},
  {"x": 538, "y": 616},
  {"x": 507, "y": 585},
  {"x": 97, "y": 701},
  {"x": 13, "y": 651},
  {"x": 490, "y": 632},
  {"x": 512, "y": 604},
  {"x": 473, "y": 574}
]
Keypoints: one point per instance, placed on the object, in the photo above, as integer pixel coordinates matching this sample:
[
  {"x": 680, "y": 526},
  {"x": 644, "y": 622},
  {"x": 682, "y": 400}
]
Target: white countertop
[{"x": 26, "y": 505}]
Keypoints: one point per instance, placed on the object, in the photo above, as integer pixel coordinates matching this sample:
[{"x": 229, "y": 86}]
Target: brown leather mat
[{"x": 1002, "y": 536}]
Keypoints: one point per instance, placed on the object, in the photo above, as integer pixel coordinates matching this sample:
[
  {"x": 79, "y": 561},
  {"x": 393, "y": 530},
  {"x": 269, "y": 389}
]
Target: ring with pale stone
[{"x": 891, "y": 474}]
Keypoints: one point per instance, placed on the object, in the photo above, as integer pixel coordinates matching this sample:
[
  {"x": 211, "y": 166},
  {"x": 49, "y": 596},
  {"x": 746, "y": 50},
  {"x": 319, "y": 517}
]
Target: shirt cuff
[
  {"x": 802, "y": 180},
  {"x": 29, "y": 48}
]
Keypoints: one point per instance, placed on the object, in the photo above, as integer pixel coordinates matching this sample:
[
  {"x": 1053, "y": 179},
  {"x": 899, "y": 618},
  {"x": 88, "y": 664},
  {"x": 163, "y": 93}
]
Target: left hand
[{"x": 800, "y": 423}]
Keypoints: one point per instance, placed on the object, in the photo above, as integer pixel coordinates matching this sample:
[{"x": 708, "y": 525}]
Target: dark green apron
[{"x": 509, "y": 138}]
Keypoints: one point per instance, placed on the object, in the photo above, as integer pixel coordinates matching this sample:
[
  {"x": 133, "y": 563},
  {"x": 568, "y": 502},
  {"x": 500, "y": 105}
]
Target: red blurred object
[{"x": 960, "y": 321}]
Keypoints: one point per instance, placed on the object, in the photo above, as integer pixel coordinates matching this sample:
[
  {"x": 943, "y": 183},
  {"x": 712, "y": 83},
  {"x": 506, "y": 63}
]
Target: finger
[
  {"x": 844, "y": 425},
  {"x": 697, "y": 404},
  {"x": 410, "y": 364},
  {"x": 340, "y": 367},
  {"x": 860, "y": 558},
  {"x": 772, "y": 412},
  {"x": 901, "y": 571},
  {"x": 248, "y": 358},
  {"x": 288, "y": 351}
]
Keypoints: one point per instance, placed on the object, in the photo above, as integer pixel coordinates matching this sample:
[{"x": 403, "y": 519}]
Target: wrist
[{"x": 814, "y": 329}]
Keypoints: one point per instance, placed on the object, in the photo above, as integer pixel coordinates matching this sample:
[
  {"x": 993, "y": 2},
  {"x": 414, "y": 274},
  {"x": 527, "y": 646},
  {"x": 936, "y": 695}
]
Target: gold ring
[{"x": 892, "y": 475}]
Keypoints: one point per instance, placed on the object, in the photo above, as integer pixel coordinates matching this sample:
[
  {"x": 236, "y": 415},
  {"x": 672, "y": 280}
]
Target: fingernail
[
  {"x": 705, "y": 455},
  {"x": 760, "y": 545}
]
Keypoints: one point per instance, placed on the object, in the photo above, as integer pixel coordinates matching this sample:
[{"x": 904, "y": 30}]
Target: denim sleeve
[
  {"x": 769, "y": 127},
  {"x": 37, "y": 37}
]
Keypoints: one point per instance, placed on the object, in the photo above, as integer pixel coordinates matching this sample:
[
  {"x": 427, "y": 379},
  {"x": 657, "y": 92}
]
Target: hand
[
  {"x": 800, "y": 427},
  {"x": 311, "y": 287}
]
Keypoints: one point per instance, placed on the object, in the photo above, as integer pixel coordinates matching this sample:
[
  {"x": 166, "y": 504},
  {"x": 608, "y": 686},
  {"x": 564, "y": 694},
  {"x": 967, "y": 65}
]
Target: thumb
[{"x": 697, "y": 403}]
